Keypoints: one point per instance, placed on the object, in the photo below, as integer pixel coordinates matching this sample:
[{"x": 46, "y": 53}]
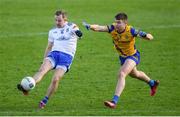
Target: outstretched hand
[{"x": 86, "y": 25}]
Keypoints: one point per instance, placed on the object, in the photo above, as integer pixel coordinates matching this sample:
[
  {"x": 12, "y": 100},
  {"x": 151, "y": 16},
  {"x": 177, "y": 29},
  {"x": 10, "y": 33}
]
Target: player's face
[
  {"x": 59, "y": 21},
  {"x": 120, "y": 25}
]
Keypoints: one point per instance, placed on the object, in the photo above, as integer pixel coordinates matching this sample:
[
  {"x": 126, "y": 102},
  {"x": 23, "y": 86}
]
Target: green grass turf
[{"x": 24, "y": 26}]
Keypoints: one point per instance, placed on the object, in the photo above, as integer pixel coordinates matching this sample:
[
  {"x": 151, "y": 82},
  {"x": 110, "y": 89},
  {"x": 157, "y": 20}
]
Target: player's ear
[
  {"x": 65, "y": 19},
  {"x": 125, "y": 21}
]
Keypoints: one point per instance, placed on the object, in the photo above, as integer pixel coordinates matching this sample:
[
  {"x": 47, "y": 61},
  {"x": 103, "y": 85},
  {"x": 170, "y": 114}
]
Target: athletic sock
[
  {"x": 115, "y": 99},
  {"x": 151, "y": 83},
  {"x": 45, "y": 100}
]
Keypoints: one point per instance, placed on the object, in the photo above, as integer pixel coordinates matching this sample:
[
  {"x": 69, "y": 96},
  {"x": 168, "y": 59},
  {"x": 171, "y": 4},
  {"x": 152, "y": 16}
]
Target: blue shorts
[
  {"x": 135, "y": 57},
  {"x": 60, "y": 60}
]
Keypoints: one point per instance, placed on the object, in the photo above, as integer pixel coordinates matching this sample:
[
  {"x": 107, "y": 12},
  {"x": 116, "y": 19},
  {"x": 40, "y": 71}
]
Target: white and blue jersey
[{"x": 64, "y": 45}]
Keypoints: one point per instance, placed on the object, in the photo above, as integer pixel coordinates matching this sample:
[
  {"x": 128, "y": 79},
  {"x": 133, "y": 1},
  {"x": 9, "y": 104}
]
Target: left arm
[
  {"x": 141, "y": 34},
  {"x": 149, "y": 36},
  {"x": 145, "y": 35},
  {"x": 77, "y": 31}
]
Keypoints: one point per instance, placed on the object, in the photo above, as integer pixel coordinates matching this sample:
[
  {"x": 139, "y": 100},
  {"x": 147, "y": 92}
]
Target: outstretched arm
[
  {"x": 145, "y": 35},
  {"x": 141, "y": 34},
  {"x": 95, "y": 27}
]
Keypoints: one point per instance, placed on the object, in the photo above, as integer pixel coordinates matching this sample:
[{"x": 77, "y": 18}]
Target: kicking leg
[{"x": 45, "y": 67}]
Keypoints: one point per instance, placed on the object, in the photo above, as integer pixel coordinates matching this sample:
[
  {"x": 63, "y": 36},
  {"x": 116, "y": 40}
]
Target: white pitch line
[
  {"x": 92, "y": 110},
  {"x": 7, "y": 35},
  {"x": 21, "y": 34},
  {"x": 163, "y": 26}
]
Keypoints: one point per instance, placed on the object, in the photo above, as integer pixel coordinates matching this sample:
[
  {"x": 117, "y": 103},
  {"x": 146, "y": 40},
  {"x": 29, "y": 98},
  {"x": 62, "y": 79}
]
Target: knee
[
  {"x": 134, "y": 74},
  {"x": 122, "y": 74},
  {"x": 56, "y": 80}
]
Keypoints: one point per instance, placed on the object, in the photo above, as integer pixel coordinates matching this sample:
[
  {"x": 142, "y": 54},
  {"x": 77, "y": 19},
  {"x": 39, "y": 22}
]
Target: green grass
[{"x": 24, "y": 28}]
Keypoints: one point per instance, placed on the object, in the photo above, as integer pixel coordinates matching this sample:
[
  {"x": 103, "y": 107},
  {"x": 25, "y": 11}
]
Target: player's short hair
[
  {"x": 121, "y": 16},
  {"x": 61, "y": 12}
]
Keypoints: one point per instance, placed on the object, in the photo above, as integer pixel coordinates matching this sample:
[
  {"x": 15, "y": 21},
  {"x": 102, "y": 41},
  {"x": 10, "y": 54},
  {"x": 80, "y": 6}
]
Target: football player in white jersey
[{"x": 59, "y": 53}]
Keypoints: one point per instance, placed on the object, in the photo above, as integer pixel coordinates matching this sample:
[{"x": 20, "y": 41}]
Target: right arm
[
  {"x": 50, "y": 44},
  {"x": 48, "y": 49},
  {"x": 99, "y": 28}
]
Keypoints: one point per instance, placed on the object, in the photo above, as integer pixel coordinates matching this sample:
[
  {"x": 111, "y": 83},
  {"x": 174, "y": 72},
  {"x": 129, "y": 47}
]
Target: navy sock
[
  {"x": 45, "y": 100},
  {"x": 115, "y": 99},
  {"x": 151, "y": 83}
]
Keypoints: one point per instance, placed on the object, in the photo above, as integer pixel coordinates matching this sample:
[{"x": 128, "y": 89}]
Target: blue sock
[
  {"x": 151, "y": 83},
  {"x": 45, "y": 100},
  {"x": 115, "y": 99}
]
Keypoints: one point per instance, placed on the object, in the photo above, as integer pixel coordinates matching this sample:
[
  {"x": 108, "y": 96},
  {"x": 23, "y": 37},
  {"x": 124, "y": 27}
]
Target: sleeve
[
  {"x": 136, "y": 32},
  {"x": 50, "y": 37},
  {"x": 110, "y": 28},
  {"x": 142, "y": 34},
  {"x": 75, "y": 28}
]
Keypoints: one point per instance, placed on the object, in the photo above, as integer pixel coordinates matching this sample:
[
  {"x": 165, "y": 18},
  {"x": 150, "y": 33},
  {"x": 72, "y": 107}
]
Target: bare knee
[
  {"x": 136, "y": 74},
  {"x": 56, "y": 79},
  {"x": 122, "y": 74}
]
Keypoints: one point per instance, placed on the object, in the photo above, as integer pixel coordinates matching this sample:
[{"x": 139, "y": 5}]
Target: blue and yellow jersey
[{"x": 124, "y": 42}]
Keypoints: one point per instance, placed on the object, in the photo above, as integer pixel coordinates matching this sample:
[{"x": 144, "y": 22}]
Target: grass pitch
[{"x": 24, "y": 28}]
